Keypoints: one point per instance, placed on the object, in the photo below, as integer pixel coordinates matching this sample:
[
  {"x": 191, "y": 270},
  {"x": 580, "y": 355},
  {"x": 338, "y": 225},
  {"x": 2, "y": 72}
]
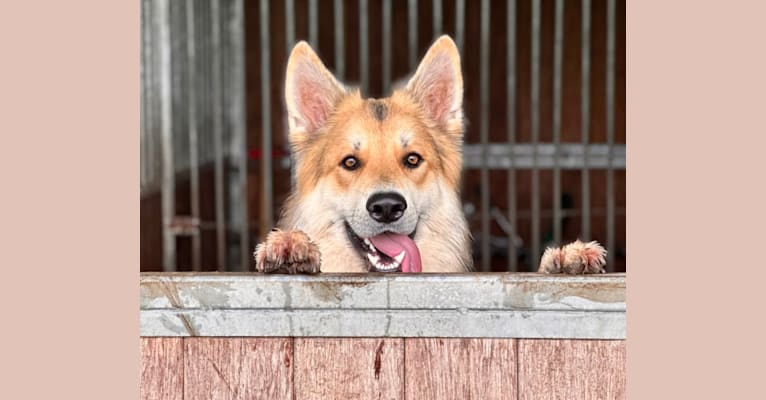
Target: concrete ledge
[{"x": 383, "y": 305}]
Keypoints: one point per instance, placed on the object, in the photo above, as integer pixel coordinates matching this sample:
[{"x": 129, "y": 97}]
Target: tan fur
[
  {"x": 329, "y": 122},
  {"x": 574, "y": 258}
]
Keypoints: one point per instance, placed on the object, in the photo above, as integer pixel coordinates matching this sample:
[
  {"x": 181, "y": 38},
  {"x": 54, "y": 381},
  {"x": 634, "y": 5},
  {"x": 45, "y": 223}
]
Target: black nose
[{"x": 386, "y": 207}]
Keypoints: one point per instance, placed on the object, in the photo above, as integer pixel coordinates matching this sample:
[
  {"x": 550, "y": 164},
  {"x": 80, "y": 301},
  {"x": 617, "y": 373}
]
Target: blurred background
[{"x": 544, "y": 84}]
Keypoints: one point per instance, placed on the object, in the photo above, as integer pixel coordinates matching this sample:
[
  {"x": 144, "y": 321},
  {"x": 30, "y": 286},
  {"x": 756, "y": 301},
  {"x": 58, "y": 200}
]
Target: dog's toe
[
  {"x": 289, "y": 252},
  {"x": 575, "y": 258}
]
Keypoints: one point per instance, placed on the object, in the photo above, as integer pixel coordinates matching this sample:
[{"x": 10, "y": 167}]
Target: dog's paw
[
  {"x": 290, "y": 252},
  {"x": 574, "y": 258}
]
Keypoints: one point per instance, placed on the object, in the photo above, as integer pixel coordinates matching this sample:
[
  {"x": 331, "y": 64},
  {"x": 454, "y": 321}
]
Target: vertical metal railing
[
  {"x": 192, "y": 114},
  {"x": 314, "y": 23},
  {"x": 558, "y": 54},
  {"x": 191, "y": 60},
  {"x": 460, "y": 24},
  {"x": 340, "y": 49},
  {"x": 166, "y": 132},
  {"x": 535, "y": 131},
  {"x": 289, "y": 24},
  {"x": 239, "y": 216},
  {"x": 437, "y": 17},
  {"x": 511, "y": 114},
  {"x": 585, "y": 116},
  {"x": 217, "y": 96},
  {"x": 267, "y": 190},
  {"x": 386, "y": 54},
  {"x": 412, "y": 33},
  {"x": 486, "y": 239},
  {"x": 610, "y": 71},
  {"x": 364, "y": 48}
]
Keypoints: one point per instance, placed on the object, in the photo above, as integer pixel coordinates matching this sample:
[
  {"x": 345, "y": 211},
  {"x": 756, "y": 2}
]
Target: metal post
[
  {"x": 437, "y": 17},
  {"x": 386, "y": 59},
  {"x": 511, "y": 115},
  {"x": 340, "y": 52},
  {"x": 484, "y": 135},
  {"x": 558, "y": 49},
  {"x": 191, "y": 61},
  {"x": 267, "y": 196},
  {"x": 314, "y": 23},
  {"x": 610, "y": 71},
  {"x": 168, "y": 168},
  {"x": 585, "y": 115},
  {"x": 412, "y": 33},
  {"x": 364, "y": 68},
  {"x": 460, "y": 24},
  {"x": 535, "y": 115}
]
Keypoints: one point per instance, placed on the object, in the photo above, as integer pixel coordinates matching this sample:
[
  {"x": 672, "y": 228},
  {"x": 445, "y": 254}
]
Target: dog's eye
[
  {"x": 412, "y": 160},
  {"x": 350, "y": 163}
]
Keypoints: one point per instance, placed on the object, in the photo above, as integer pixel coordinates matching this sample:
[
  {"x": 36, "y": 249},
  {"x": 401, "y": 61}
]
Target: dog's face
[{"x": 379, "y": 167}]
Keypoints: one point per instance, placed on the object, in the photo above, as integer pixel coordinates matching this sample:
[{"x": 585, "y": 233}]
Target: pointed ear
[
  {"x": 311, "y": 92},
  {"x": 438, "y": 83}
]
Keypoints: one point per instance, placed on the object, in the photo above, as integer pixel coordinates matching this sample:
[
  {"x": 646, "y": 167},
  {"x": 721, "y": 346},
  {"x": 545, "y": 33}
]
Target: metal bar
[
  {"x": 437, "y": 18},
  {"x": 215, "y": 14},
  {"x": 340, "y": 52},
  {"x": 412, "y": 33},
  {"x": 289, "y": 24},
  {"x": 460, "y": 24},
  {"x": 535, "y": 116},
  {"x": 239, "y": 132},
  {"x": 151, "y": 87},
  {"x": 585, "y": 115},
  {"x": 558, "y": 49},
  {"x": 144, "y": 122},
  {"x": 484, "y": 135},
  {"x": 267, "y": 196},
  {"x": 168, "y": 170},
  {"x": 386, "y": 59},
  {"x": 511, "y": 115},
  {"x": 364, "y": 57},
  {"x": 314, "y": 23},
  {"x": 191, "y": 62},
  {"x": 610, "y": 71},
  {"x": 527, "y": 156}
]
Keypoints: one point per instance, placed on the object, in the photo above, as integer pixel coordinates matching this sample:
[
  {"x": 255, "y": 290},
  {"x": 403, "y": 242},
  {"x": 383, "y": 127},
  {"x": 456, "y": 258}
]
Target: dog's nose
[{"x": 386, "y": 207}]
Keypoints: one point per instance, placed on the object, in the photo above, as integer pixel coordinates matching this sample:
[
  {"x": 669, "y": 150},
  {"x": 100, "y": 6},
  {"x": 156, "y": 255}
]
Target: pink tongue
[{"x": 392, "y": 244}]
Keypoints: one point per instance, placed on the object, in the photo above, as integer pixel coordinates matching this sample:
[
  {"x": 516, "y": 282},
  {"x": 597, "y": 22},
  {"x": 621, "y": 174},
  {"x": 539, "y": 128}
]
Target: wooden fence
[{"x": 472, "y": 336}]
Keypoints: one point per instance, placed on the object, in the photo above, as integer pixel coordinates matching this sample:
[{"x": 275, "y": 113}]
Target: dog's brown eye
[
  {"x": 350, "y": 163},
  {"x": 412, "y": 160}
]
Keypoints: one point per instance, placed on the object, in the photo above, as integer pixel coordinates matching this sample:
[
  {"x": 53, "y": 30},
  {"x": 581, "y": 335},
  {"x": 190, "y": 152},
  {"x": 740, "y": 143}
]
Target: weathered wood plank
[
  {"x": 571, "y": 369},
  {"x": 460, "y": 369},
  {"x": 162, "y": 368},
  {"x": 238, "y": 368},
  {"x": 349, "y": 368}
]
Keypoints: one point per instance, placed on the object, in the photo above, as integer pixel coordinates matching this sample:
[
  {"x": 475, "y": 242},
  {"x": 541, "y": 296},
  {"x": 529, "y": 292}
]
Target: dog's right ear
[{"x": 311, "y": 92}]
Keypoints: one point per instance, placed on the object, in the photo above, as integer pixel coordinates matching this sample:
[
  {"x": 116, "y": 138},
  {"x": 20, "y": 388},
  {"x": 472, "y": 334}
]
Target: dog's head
[{"x": 379, "y": 167}]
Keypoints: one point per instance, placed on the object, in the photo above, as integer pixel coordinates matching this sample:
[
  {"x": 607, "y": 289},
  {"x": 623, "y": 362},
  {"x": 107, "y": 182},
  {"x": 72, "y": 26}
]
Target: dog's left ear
[
  {"x": 311, "y": 92},
  {"x": 438, "y": 83}
]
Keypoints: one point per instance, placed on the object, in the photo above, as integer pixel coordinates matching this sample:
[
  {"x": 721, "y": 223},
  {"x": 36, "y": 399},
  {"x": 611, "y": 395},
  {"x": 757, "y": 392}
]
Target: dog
[{"x": 377, "y": 180}]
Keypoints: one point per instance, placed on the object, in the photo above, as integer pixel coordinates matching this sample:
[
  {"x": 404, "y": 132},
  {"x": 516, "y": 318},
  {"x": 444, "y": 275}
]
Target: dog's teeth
[
  {"x": 373, "y": 259},
  {"x": 399, "y": 258},
  {"x": 367, "y": 242}
]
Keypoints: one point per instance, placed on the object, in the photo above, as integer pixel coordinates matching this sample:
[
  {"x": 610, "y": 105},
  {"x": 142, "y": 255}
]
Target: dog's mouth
[{"x": 387, "y": 252}]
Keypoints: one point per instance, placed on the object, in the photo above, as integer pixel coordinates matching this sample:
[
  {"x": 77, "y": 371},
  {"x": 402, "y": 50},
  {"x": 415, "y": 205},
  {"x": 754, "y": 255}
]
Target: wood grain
[
  {"x": 460, "y": 369},
  {"x": 238, "y": 368},
  {"x": 571, "y": 369},
  {"x": 333, "y": 368},
  {"x": 162, "y": 368}
]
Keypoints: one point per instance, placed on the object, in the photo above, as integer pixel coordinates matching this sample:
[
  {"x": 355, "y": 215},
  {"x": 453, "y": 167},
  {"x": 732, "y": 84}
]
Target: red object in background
[{"x": 256, "y": 153}]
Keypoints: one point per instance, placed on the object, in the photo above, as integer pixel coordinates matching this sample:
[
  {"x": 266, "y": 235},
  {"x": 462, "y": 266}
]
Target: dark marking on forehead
[{"x": 378, "y": 109}]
